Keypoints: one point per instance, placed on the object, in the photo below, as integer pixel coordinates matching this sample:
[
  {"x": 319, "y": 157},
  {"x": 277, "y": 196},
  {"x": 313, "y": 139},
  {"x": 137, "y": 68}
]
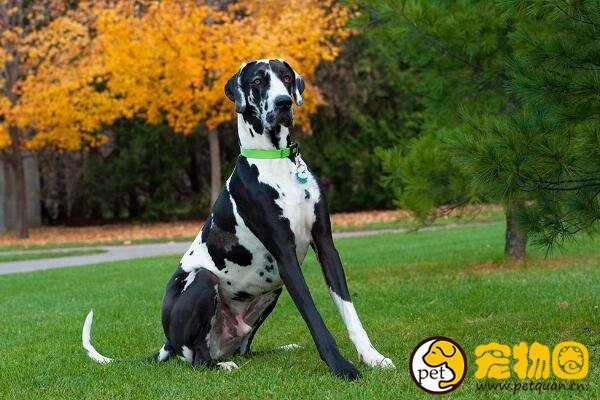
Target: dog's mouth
[
  {"x": 284, "y": 118},
  {"x": 287, "y": 121}
]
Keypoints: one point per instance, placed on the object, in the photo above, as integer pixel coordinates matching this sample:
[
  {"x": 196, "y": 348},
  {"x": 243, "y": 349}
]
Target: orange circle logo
[{"x": 438, "y": 365}]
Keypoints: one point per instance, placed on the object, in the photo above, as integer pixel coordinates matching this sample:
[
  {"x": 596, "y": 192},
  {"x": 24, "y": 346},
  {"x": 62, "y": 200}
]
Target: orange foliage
[{"x": 163, "y": 60}]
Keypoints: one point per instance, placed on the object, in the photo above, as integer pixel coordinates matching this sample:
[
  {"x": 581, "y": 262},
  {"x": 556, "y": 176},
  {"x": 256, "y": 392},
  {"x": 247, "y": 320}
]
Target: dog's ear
[
  {"x": 234, "y": 91},
  {"x": 299, "y": 89},
  {"x": 298, "y": 86}
]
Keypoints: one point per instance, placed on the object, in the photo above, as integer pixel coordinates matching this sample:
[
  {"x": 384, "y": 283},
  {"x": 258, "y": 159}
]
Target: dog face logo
[
  {"x": 263, "y": 91},
  {"x": 438, "y": 365}
]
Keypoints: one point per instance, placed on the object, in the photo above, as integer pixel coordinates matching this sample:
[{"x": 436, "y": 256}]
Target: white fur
[
  {"x": 291, "y": 346},
  {"x": 252, "y": 140},
  {"x": 163, "y": 354},
  {"x": 189, "y": 279},
  {"x": 366, "y": 352},
  {"x": 87, "y": 343},
  {"x": 276, "y": 88},
  {"x": 297, "y": 94},
  {"x": 279, "y": 174},
  {"x": 200, "y": 257},
  {"x": 228, "y": 365},
  {"x": 188, "y": 354},
  {"x": 239, "y": 87}
]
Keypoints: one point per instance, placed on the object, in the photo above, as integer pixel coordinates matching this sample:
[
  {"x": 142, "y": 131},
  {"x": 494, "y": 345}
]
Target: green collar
[{"x": 293, "y": 149}]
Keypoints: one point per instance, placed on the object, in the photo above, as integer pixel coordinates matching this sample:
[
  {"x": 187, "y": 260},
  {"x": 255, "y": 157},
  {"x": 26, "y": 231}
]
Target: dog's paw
[
  {"x": 375, "y": 359},
  {"x": 227, "y": 365},
  {"x": 345, "y": 369},
  {"x": 291, "y": 346}
]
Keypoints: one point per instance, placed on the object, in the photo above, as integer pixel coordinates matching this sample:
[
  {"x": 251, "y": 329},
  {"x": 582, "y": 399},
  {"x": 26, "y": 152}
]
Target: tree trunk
[
  {"x": 5, "y": 192},
  {"x": 33, "y": 189},
  {"x": 21, "y": 227},
  {"x": 215, "y": 165},
  {"x": 515, "y": 241}
]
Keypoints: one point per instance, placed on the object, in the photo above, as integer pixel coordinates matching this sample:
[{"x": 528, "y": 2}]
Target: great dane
[{"x": 254, "y": 240}]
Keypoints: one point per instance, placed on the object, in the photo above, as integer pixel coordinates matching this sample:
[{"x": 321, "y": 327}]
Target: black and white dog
[{"x": 255, "y": 239}]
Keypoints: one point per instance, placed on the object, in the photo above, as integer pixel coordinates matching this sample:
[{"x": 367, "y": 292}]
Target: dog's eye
[
  {"x": 257, "y": 81},
  {"x": 287, "y": 79}
]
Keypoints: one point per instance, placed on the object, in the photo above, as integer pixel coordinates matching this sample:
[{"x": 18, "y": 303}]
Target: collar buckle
[{"x": 294, "y": 149}]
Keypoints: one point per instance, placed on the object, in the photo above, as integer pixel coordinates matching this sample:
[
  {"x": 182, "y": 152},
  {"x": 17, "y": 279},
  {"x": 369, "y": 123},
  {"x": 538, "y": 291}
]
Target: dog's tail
[
  {"x": 87, "y": 343},
  {"x": 99, "y": 358}
]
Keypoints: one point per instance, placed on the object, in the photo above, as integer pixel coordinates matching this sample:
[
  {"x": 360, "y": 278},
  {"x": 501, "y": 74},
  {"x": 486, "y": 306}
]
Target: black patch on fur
[
  {"x": 306, "y": 194},
  {"x": 206, "y": 228},
  {"x": 274, "y": 136},
  {"x": 220, "y": 238},
  {"x": 240, "y": 255},
  {"x": 248, "y": 192},
  {"x": 326, "y": 252}
]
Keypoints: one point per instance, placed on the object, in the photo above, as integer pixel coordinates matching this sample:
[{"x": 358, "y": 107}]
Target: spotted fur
[{"x": 254, "y": 241}]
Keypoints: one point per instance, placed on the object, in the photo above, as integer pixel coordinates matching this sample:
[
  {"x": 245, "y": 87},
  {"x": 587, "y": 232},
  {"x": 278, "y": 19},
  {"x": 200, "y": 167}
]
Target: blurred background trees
[
  {"x": 71, "y": 69},
  {"x": 411, "y": 104}
]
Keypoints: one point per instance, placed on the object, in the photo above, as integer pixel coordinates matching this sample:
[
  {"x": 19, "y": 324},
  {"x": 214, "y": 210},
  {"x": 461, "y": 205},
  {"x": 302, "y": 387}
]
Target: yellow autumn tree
[
  {"x": 165, "y": 61},
  {"x": 36, "y": 39},
  {"x": 172, "y": 60}
]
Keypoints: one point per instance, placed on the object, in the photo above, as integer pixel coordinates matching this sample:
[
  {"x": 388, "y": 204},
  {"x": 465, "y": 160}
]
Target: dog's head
[
  {"x": 440, "y": 352},
  {"x": 263, "y": 91}
]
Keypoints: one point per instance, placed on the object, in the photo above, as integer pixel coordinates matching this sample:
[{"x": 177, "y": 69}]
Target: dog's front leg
[
  {"x": 292, "y": 277},
  {"x": 322, "y": 243}
]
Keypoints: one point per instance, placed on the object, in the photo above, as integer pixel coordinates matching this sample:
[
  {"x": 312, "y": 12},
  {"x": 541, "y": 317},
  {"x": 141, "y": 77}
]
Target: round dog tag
[{"x": 302, "y": 176}]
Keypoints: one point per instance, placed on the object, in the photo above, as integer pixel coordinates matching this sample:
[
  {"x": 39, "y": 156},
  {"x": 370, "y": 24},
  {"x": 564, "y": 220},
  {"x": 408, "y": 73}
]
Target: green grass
[
  {"x": 472, "y": 218},
  {"x": 47, "y": 254},
  {"x": 405, "y": 287}
]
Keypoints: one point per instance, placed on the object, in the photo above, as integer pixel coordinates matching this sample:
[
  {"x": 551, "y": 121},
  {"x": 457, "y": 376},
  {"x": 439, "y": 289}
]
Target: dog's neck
[{"x": 267, "y": 140}]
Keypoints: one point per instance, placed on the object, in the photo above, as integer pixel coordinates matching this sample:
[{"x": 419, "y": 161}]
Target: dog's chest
[
  {"x": 295, "y": 203},
  {"x": 243, "y": 278},
  {"x": 295, "y": 197}
]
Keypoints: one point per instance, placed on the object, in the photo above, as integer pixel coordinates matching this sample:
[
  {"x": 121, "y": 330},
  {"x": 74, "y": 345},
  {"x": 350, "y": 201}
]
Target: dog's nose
[{"x": 283, "y": 102}]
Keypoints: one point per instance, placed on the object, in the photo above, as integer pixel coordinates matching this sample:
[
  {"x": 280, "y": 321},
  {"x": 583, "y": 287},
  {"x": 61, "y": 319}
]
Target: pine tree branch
[
  {"x": 560, "y": 185},
  {"x": 582, "y": 20},
  {"x": 445, "y": 48}
]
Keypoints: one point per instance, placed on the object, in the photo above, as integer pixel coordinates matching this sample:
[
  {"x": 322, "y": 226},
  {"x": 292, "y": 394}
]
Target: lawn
[
  {"x": 38, "y": 255},
  {"x": 406, "y": 287}
]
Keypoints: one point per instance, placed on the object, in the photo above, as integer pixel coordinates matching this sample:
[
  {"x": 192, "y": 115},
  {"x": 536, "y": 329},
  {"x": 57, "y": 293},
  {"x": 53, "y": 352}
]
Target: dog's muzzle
[{"x": 283, "y": 111}]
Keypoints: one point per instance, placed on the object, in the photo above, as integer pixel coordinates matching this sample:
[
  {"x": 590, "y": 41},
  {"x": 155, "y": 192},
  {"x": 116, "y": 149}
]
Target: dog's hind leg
[
  {"x": 191, "y": 319},
  {"x": 322, "y": 243}
]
